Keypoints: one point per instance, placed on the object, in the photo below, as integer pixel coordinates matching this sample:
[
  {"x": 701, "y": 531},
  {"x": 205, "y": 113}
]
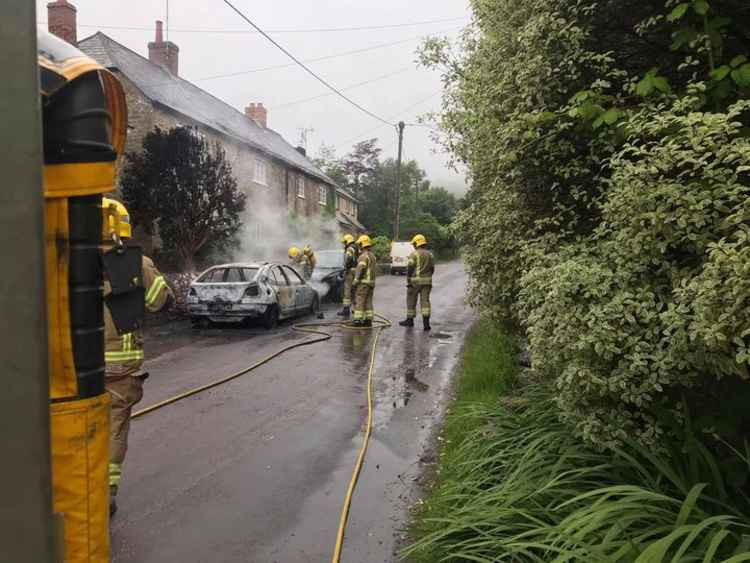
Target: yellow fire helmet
[
  {"x": 418, "y": 240},
  {"x": 364, "y": 241},
  {"x": 347, "y": 239},
  {"x": 308, "y": 250},
  {"x": 115, "y": 219},
  {"x": 293, "y": 252}
]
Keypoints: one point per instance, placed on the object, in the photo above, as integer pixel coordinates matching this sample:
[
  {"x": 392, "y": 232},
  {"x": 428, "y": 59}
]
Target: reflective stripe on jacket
[
  {"x": 123, "y": 353},
  {"x": 421, "y": 267},
  {"x": 365, "y": 273}
]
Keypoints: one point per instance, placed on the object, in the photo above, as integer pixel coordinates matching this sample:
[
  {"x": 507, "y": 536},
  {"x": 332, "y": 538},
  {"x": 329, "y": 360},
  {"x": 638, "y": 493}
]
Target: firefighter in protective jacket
[
  {"x": 420, "y": 269},
  {"x": 364, "y": 283},
  {"x": 350, "y": 264},
  {"x": 123, "y": 353}
]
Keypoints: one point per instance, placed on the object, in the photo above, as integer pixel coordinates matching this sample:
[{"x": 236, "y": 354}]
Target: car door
[
  {"x": 285, "y": 293},
  {"x": 302, "y": 298}
]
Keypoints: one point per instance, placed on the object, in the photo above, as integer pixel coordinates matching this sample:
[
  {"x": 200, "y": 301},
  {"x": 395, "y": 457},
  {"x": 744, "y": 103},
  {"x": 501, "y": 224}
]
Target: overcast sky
[{"x": 398, "y": 88}]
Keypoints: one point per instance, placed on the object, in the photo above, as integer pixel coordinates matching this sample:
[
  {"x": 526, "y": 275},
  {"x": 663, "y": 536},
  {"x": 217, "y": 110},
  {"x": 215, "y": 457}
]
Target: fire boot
[
  {"x": 426, "y": 323},
  {"x": 367, "y": 323},
  {"x": 112, "y": 502},
  {"x": 358, "y": 323},
  {"x": 407, "y": 322},
  {"x": 345, "y": 312}
]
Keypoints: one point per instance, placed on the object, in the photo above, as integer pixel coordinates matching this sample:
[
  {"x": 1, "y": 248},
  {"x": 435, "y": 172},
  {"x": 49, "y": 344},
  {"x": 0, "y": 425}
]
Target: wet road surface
[{"x": 256, "y": 470}]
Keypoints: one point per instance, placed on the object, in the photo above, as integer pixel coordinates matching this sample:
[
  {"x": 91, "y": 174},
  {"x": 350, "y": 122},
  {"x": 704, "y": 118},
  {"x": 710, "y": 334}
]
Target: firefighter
[
  {"x": 299, "y": 260},
  {"x": 364, "y": 283},
  {"x": 421, "y": 267},
  {"x": 350, "y": 264},
  {"x": 123, "y": 353},
  {"x": 308, "y": 251}
]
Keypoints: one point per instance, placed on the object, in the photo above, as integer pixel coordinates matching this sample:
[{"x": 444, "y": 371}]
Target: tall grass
[{"x": 515, "y": 485}]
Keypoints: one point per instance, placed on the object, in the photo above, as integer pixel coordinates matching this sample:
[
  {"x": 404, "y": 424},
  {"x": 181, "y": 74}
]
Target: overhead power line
[
  {"x": 396, "y": 116},
  {"x": 344, "y": 89},
  {"x": 306, "y": 68},
  {"x": 282, "y": 30},
  {"x": 318, "y": 59}
]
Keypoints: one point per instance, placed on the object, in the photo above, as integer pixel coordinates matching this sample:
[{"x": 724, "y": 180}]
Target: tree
[
  {"x": 439, "y": 202},
  {"x": 183, "y": 187},
  {"x": 361, "y": 164},
  {"x": 608, "y": 146}
]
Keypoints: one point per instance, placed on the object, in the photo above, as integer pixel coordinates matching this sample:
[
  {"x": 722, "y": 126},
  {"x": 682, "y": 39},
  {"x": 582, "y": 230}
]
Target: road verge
[{"x": 514, "y": 483}]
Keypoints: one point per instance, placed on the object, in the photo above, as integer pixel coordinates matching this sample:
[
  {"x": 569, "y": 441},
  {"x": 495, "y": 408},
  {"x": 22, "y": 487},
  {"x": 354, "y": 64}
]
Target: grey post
[{"x": 25, "y": 481}]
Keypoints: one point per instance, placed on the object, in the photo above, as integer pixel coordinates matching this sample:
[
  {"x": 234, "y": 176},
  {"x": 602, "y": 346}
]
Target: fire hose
[{"x": 378, "y": 326}]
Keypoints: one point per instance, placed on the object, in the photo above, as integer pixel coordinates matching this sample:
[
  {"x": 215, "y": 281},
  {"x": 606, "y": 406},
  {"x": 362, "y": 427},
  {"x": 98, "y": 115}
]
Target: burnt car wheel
[{"x": 271, "y": 317}]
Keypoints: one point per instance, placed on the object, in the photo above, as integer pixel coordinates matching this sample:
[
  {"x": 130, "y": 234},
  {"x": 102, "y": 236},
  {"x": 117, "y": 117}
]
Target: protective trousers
[
  {"x": 421, "y": 292},
  {"x": 363, "y": 309},
  {"x": 124, "y": 394},
  {"x": 348, "y": 288}
]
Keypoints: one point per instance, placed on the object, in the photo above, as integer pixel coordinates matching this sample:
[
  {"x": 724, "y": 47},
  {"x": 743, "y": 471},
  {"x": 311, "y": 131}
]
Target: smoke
[{"x": 268, "y": 231}]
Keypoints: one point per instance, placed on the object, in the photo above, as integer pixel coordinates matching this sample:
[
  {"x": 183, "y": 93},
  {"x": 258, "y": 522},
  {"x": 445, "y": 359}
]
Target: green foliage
[
  {"x": 381, "y": 246},
  {"x": 608, "y": 148},
  {"x": 423, "y": 208},
  {"x": 513, "y": 483},
  {"x": 183, "y": 187}
]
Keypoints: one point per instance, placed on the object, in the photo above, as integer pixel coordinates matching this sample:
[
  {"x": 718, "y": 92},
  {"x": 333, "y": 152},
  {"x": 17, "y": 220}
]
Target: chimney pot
[
  {"x": 164, "y": 53},
  {"x": 61, "y": 21},
  {"x": 257, "y": 113}
]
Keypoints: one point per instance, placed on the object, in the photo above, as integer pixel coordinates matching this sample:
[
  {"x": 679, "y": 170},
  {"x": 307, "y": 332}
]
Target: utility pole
[
  {"x": 401, "y": 126},
  {"x": 26, "y": 525}
]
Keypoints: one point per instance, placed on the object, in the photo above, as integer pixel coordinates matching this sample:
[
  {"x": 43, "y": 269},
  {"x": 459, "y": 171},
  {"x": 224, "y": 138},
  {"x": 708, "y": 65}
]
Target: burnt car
[
  {"x": 328, "y": 275},
  {"x": 243, "y": 291}
]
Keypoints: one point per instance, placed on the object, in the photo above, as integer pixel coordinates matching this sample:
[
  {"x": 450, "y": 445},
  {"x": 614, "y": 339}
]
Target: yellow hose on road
[
  {"x": 363, "y": 450},
  {"x": 321, "y": 336}
]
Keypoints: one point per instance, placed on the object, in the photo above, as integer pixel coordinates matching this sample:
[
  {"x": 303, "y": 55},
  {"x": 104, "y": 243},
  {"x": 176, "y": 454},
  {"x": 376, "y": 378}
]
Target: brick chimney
[
  {"x": 257, "y": 113},
  {"x": 61, "y": 20},
  {"x": 163, "y": 53}
]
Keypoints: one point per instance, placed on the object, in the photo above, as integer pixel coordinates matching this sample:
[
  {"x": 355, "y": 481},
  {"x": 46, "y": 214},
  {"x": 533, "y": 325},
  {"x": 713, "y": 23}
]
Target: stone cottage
[{"x": 274, "y": 174}]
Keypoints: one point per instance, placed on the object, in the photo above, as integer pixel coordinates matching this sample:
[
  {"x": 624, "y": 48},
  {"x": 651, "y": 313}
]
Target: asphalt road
[{"x": 256, "y": 470}]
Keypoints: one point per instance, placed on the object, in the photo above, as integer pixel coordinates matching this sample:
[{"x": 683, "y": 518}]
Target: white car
[
  {"x": 241, "y": 291},
  {"x": 400, "y": 252}
]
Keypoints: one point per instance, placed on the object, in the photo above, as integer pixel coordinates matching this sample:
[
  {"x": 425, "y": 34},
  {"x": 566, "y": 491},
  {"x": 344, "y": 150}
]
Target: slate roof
[
  {"x": 348, "y": 220},
  {"x": 186, "y": 98}
]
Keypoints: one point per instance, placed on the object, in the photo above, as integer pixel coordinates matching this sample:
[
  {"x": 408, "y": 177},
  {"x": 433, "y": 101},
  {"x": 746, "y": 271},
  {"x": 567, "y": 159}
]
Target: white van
[{"x": 400, "y": 252}]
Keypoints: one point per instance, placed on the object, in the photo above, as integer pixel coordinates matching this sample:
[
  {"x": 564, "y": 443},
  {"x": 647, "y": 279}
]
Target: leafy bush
[
  {"x": 608, "y": 144},
  {"x": 656, "y": 301},
  {"x": 381, "y": 246}
]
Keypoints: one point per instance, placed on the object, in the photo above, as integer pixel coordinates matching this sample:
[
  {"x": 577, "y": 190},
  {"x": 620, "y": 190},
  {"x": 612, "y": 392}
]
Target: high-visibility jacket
[
  {"x": 311, "y": 258},
  {"x": 350, "y": 257},
  {"x": 302, "y": 262},
  {"x": 366, "y": 266},
  {"x": 420, "y": 267},
  {"x": 123, "y": 353}
]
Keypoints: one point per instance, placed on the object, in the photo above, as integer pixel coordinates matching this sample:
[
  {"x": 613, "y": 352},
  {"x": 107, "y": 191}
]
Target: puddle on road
[{"x": 404, "y": 380}]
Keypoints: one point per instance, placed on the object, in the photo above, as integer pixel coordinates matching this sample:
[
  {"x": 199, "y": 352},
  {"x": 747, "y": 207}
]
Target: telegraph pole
[{"x": 401, "y": 126}]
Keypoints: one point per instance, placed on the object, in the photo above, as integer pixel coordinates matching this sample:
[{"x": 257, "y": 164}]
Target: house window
[
  {"x": 300, "y": 187},
  {"x": 322, "y": 195},
  {"x": 260, "y": 173}
]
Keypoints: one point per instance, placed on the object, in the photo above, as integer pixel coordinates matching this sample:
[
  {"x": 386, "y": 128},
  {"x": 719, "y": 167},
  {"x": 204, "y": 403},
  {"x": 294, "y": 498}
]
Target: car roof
[{"x": 240, "y": 265}]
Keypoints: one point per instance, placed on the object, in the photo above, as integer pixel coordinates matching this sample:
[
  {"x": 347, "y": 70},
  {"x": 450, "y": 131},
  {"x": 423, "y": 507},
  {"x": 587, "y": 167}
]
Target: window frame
[
  {"x": 292, "y": 281},
  {"x": 285, "y": 281},
  {"x": 322, "y": 194},
  {"x": 301, "y": 187},
  {"x": 260, "y": 172}
]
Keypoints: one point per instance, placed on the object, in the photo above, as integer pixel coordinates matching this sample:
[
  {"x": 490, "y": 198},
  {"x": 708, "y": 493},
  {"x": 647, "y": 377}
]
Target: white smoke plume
[{"x": 269, "y": 231}]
